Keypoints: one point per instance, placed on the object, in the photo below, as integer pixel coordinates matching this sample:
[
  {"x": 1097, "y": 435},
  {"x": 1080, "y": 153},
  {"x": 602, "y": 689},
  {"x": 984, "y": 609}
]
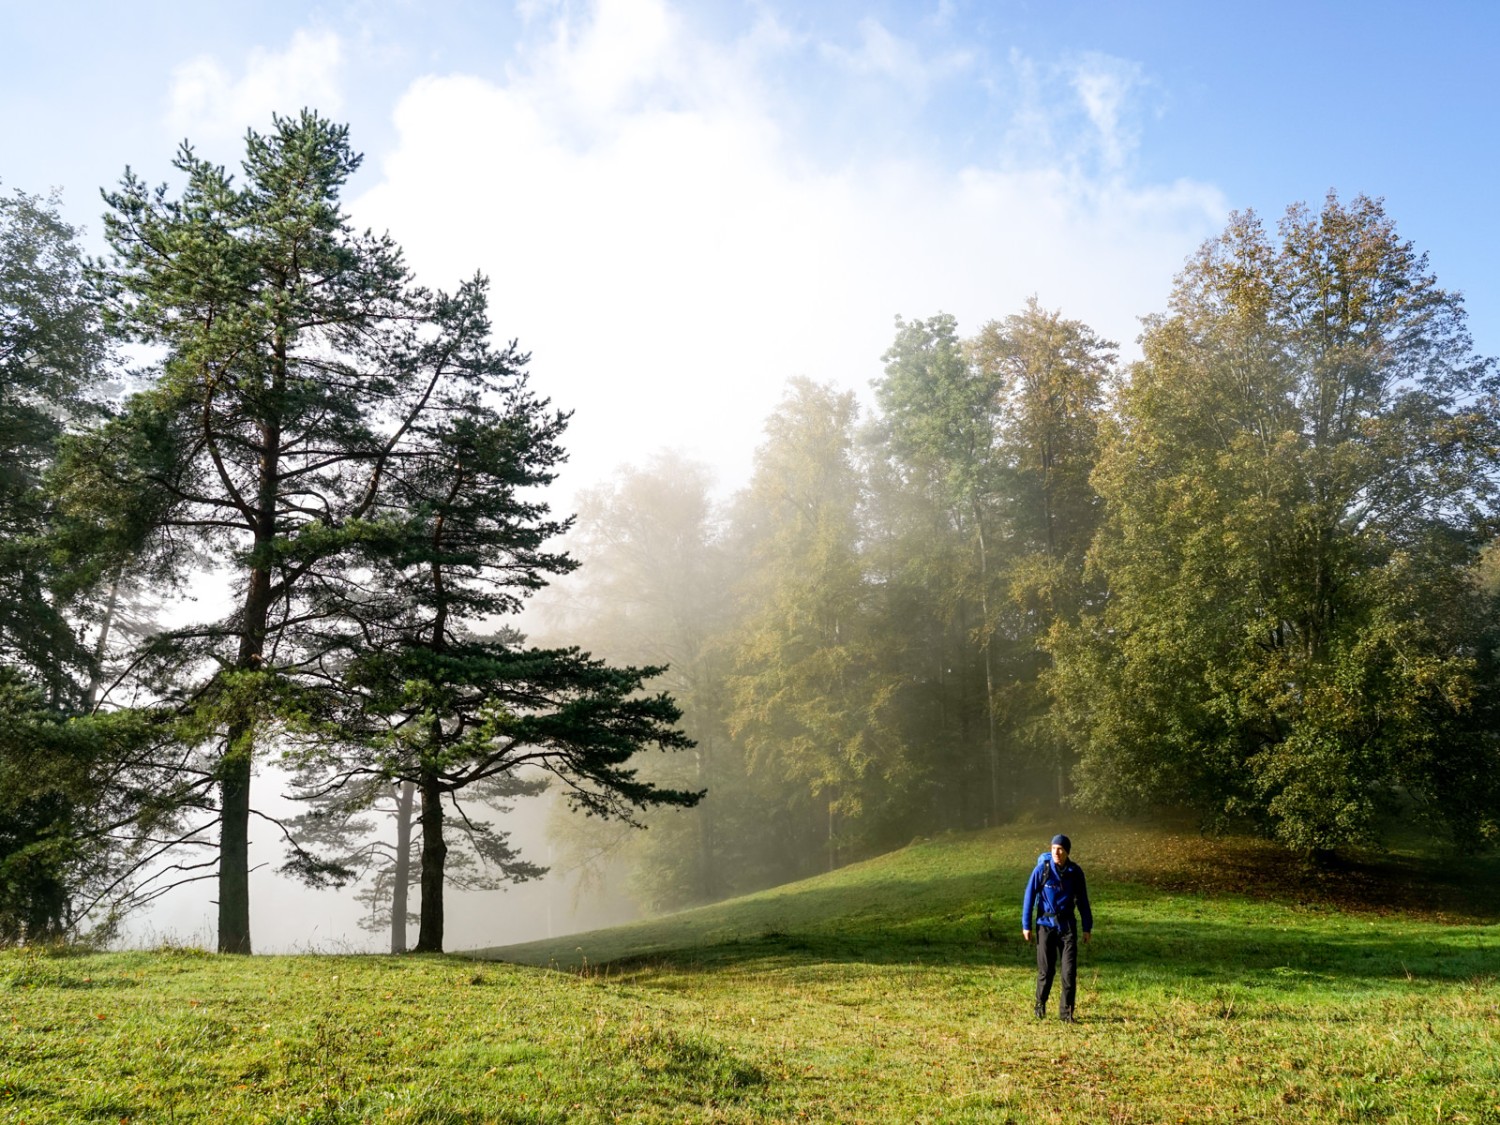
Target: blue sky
[{"x": 684, "y": 204}]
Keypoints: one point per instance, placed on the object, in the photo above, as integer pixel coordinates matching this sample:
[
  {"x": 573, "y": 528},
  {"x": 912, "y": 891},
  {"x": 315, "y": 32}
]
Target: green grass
[{"x": 1223, "y": 984}]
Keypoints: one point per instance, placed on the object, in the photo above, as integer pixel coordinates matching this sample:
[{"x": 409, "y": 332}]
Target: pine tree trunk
[
  {"x": 234, "y": 782},
  {"x": 234, "y": 845},
  {"x": 434, "y": 854},
  {"x": 402, "y": 886},
  {"x": 101, "y": 646},
  {"x": 239, "y": 749}
]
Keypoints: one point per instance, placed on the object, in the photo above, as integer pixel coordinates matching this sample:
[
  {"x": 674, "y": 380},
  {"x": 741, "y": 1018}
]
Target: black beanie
[{"x": 1066, "y": 843}]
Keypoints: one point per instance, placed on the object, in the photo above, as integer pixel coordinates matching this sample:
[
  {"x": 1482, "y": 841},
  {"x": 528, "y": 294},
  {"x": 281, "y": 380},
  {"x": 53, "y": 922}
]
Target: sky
[{"x": 681, "y": 205}]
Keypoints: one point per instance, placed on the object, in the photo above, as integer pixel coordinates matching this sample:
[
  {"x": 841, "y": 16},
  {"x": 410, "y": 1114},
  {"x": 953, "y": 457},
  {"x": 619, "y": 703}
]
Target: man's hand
[
  {"x": 1085, "y": 937},
  {"x": 1026, "y": 934}
]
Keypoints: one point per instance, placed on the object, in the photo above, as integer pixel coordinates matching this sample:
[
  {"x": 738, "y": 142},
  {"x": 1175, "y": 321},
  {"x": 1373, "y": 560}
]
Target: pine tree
[
  {"x": 457, "y": 539},
  {"x": 298, "y": 357},
  {"x": 71, "y": 782}
]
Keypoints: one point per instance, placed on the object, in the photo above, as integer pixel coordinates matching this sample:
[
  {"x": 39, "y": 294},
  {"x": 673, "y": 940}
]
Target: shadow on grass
[
  {"x": 1218, "y": 909},
  {"x": 1463, "y": 890},
  {"x": 1215, "y": 952},
  {"x": 965, "y": 920}
]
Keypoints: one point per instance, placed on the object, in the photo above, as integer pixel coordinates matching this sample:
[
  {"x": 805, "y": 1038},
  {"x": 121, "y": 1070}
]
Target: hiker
[{"x": 1055, "y": 889}]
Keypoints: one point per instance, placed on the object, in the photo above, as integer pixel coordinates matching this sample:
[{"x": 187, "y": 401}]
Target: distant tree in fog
[
  {"x": 657, "y": 587},
  {"x": 940, "y": 511},
  {"x": 980, "y": 514},
  {"x": 368, "y": 831},
  {"x": 811, "y": 689}
]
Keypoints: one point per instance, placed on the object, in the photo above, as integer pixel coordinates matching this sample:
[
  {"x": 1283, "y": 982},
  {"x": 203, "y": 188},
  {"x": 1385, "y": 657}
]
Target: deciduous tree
[
  {"x": 1049, "y": 376},
  {"x": 938, "y": 431},
  {"x": 811, "y": 691},
  {"x": 1300, "y": 480}
]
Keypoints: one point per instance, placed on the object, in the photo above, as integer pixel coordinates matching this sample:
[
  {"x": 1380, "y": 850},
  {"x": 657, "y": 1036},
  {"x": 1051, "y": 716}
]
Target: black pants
[{"x": 1054, "y": 944}]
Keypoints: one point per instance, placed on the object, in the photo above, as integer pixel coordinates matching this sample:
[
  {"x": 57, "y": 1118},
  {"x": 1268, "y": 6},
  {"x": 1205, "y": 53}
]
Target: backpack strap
[{"x": 1062, "y": 880}]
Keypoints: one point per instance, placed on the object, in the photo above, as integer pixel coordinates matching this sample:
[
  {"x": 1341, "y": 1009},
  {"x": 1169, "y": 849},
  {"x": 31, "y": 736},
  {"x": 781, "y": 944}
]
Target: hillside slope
[{"x": 958, "y": 896}]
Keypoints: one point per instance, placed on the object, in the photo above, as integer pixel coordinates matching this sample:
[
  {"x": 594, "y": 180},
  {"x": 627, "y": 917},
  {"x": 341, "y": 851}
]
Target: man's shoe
[
  {"x": 1041, "y": 1013},
  {"x": 1066, "y": 1019}
]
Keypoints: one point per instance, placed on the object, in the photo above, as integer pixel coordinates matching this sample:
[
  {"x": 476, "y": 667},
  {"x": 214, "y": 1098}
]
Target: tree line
[
  {"x": 1249, "y": 574},
  {"x": 353, "y": 469}
]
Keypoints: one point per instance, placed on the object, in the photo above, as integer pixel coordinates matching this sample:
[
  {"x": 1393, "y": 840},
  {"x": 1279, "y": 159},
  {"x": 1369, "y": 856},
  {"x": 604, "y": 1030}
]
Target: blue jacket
[{"x": 1054, "y": 894}]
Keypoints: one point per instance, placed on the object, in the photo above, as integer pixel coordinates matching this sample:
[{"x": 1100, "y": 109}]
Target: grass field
[{"x": 1223, "y": 984}]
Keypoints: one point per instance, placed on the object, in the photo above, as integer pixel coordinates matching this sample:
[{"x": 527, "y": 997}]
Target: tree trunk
[
  {"x": 989, "y": 714},
  {"x": 234, "y": 844},
  {"x": 1047, "y": 459},
  {"x": 234, "y": 781},
  {"x": 399, "y": 890},
  {"x": 833, "y": 857},
  {"x": 239, "y": 748},
  {"x": 434, "y": 854},
  {"x": 989, "y": 671},
  {"x": 101, "y": 646}
]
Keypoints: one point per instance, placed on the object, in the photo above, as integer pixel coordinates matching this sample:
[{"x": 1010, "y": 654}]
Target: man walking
[{"x": 1055, "y": 891}]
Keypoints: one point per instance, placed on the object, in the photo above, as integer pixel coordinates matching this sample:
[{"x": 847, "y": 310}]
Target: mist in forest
[
  {"x": 1011, "y": 559},
  {"x": 822, "y": 630},
  {"x": 906, "y": 622},
  {"x": 291, "y": 918},
  {"x": 849, "y": 634}
]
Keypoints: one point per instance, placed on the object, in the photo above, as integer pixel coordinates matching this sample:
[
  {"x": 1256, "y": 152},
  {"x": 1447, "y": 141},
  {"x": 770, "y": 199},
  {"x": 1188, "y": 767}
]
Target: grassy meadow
[{"x": 1224, "y": 983}]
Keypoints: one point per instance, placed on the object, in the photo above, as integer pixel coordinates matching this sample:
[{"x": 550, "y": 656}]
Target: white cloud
[
  {"x": 882, "y": 54},
  {"x": 627, "y": 45},
  {"x": 669, "y": 253},
  {"x": 1105, "y": 86},
  {"x": 207, "y": 102}
]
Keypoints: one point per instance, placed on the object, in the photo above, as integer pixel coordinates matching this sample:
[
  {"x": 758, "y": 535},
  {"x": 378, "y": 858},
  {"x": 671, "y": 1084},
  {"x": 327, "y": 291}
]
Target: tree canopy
[{"x": 1297, "y": 484}]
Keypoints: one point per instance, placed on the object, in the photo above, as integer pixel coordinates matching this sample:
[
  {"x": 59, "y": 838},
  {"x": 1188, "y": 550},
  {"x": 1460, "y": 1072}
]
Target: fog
[{"x": 291, "y": 918}]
